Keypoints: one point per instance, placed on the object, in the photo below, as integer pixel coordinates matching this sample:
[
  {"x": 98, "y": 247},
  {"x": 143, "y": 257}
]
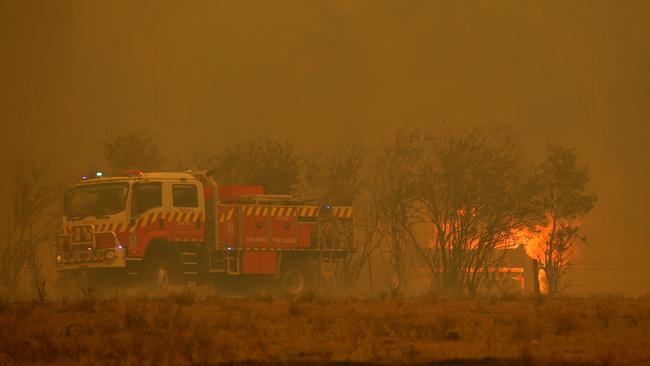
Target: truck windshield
[{"x": 96, "y": 199}]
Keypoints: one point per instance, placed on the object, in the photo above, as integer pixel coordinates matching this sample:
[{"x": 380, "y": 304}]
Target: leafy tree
[
  {"x": 133, "y": 150},
  {"x": 564, "y": 197},
  {"x": 474, "y": 192},
  {"x": 275, "y": 164}
]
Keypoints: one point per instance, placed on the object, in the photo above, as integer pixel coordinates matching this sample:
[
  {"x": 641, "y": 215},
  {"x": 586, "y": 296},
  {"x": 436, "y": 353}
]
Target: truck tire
[{"x": 296, "y": 279}]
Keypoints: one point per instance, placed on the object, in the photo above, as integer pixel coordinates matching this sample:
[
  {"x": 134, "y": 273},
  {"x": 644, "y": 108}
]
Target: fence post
[{"x": 536, "y": 278}]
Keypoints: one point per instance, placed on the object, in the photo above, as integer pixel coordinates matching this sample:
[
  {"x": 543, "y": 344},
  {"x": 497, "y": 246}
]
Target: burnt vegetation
[{"x": 132, "y": 329}]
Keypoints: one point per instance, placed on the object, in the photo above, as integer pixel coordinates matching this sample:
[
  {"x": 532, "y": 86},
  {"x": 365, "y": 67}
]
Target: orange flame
[
  {"x": 543, "y": 282},
  {"x": 534, "y": 240}
]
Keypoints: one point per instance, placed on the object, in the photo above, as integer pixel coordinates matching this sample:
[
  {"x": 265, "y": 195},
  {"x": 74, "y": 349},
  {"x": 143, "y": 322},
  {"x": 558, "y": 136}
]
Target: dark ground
[{"x": 185, "y": 328}]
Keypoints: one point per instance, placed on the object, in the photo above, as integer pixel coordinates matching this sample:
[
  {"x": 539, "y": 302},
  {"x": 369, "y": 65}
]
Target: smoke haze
[{"x": 203, "y": 74}]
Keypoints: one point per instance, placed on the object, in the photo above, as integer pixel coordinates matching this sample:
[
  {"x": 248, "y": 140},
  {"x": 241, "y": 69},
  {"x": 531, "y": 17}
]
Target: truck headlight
[
  {"x": 59, "y": 259},
  {"x": 109, "y": 254}
]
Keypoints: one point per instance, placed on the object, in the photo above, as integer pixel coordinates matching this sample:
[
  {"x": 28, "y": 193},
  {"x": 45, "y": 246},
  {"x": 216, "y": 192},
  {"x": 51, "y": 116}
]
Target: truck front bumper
[{"x": 76, "y": 260}]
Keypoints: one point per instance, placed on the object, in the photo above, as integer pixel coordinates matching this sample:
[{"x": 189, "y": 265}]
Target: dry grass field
[{"x": 184, "y": 328}]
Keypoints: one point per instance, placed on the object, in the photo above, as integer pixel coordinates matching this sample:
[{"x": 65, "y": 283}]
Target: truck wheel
[{"x": 296, "y": 279}]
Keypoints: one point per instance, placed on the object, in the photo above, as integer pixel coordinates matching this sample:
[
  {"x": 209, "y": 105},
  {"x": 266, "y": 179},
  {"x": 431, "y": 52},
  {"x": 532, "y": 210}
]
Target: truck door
[
  {"x": 186, "y": 212},
  {"x": 146, "y": 203}
]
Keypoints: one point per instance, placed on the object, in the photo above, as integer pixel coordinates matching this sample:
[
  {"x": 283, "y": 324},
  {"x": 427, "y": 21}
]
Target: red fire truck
[{"x": 175, "y": 227}]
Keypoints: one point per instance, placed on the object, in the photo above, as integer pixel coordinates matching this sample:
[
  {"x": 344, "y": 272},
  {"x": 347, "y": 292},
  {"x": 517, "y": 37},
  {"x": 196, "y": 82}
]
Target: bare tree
[
  {"x": 32, "y": 221},
  {"x": 394, "y": 189},
  {"x": 335, "y": 176},
  {"x": 474, "y": 194},
  {"x": 368, "y": 237},
  {"x": 563, "y": 196},
  {"x": 133, "y": 150},
  {"x": 275, "y": 164}
]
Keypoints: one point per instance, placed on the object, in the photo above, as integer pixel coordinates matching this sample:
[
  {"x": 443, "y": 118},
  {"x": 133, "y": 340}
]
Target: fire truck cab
[{"x": 174, "y": 227}]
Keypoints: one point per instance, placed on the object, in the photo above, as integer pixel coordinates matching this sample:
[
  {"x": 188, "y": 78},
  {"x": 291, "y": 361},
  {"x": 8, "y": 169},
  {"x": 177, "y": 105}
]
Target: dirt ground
[{"x": 181, "y": 327}]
